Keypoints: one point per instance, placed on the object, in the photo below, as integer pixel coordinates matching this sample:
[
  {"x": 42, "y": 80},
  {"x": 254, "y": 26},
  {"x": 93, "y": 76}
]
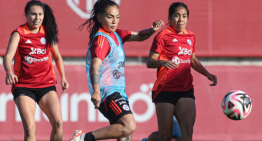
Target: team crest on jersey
[
  {"x": 126, "y": 107},
  {"x": 189, "y": 42},
  {"x": 43, "y": 40}
]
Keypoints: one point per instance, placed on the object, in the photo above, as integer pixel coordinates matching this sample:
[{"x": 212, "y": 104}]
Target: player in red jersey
[
  {"x": 33, "y": 79},
  {"x": 105, "y": 71},
  {"x": 173, "y": 54},
  {"x": 100, "y": 46}
]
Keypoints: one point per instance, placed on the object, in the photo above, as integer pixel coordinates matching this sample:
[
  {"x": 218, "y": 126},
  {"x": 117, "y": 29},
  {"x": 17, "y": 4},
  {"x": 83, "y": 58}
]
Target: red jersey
[
  {"x": 100, "y": 46},
  {"x": 33, "y": 60},
  {"x": 179, "y": 49}
]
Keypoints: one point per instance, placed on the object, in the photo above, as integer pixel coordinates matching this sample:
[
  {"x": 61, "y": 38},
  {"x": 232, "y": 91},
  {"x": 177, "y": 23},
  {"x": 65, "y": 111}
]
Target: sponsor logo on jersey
[
  {"x": 121, "y": 64},
  {"x": 189, "y": 42},
  {"x": 125, "y": 107},
  {"x": 185, "y": 51},
  {"x": 175, "y": 40},
  {"x": 117, "y": 74},
  {"x": 28, "y": 42},
  {"x": 30, "y": 60},
  {"x": 37, "y": 51},
  {"x": 178, "y": 61},
  {"x": 43, "y": 40}
]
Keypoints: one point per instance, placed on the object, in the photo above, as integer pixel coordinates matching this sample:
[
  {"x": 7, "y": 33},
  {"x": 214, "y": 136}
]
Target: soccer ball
[{"x": 236, "y": 105}]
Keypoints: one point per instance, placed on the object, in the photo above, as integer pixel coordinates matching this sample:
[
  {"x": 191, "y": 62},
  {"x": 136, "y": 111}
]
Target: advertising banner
[
  {"x": 222, "y": 28},
  {"x": 79, "y": 113}
]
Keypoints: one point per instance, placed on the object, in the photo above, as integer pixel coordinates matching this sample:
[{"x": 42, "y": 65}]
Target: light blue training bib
[{"x": 111, "y": 71}]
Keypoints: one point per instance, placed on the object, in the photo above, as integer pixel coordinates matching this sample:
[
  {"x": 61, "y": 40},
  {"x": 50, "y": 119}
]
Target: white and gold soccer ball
[{"x": 236, "y": 105}]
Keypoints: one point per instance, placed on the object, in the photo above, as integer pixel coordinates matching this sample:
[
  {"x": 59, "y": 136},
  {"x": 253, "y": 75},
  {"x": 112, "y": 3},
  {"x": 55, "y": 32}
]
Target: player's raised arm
[{"x": 146, "y": 33}]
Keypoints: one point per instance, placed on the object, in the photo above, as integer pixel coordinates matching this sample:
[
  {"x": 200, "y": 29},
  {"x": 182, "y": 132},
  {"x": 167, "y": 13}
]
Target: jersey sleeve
[
  {"x": 124, "y": 34},
  {"x": 158, "y": 43},
  {"x": 100, "y": 47},
  {"x": 20, "y": 31}
]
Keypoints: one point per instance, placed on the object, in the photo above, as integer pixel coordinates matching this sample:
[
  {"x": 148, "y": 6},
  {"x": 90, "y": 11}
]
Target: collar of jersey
[
  {"x": 27, "y": 30},
  {"x": 171, "y": 29},
  {"x": 104, "y": 31}
]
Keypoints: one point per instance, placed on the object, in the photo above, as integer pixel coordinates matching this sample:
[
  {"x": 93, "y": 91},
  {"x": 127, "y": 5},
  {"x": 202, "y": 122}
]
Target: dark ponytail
[
  {"x": 92, "y": 23},
  {"x": 49, "y": 21}
]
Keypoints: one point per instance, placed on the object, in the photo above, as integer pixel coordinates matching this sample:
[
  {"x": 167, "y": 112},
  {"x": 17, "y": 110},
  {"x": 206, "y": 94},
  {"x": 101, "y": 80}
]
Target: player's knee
[
  {"x": 129, "y": 128},
  {"x": 29, "y": 130},
  {"x": 188, "y": 131},
  {"x": 132, "y": 127},
  {"x": 58, "y": 124}
]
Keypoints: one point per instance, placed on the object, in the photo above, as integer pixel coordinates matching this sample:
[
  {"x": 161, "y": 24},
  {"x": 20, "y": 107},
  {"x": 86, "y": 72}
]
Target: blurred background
[{"x": 228, "y": 43}]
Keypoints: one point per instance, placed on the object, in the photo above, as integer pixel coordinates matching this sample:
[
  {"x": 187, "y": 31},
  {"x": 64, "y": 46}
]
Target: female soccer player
[
  {"x": 33, "y": 79},
  {"x": 173, "y": 54},
  {"x": 105, "y": 71}
]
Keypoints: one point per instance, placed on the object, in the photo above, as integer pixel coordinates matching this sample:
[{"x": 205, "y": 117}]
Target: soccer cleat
[
  {"x": 144, "y": 139},
  {"x": 79, "y": 135}
]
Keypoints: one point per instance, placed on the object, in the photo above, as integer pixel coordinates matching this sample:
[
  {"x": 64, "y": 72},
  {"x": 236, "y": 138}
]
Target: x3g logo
[{"x": 74, "y": 5}]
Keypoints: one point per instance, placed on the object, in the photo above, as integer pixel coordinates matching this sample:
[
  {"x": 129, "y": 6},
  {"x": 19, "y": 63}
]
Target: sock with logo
[{"x": 89, "y": 137}]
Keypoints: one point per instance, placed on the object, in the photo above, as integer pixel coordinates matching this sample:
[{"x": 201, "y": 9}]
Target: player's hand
[
  {"x": 212, "y": 78},
  {"x": 157, "y": 25},
  {"x": 169, "y": 64},
  {"x": 11, "y": 78},
  {"x": 96, "y": 99},
  {"x": 65, "y": 85}
]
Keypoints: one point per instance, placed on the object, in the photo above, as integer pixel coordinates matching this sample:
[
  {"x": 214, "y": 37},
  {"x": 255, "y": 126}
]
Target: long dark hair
[
  {"x": 173, "y": 8},
  {"x": 92, "y": 23},
  {"x": 49, "y": 21}
]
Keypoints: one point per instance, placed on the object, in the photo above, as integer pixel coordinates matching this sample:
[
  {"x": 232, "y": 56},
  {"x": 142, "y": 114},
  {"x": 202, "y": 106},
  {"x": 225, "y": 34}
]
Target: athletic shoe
[
  {"x": 79, "y": 135},
  {"x": 144, "y": 139}
]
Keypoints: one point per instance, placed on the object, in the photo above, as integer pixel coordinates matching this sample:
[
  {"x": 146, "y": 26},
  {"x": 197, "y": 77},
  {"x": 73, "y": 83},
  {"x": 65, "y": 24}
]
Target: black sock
[{"x": 89, "y": 137}]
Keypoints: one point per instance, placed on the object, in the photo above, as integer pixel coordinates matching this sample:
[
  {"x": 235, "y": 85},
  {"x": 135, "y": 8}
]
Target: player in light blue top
[
  {"x": 105, "y": 65},
  {"x": 111, "y": 70}
]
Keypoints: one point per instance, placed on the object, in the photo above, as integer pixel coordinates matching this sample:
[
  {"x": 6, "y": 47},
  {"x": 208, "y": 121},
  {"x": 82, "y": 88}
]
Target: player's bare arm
[
  {"x": 11, "y": 78},
  {"x": 94, "y": 77},
  {"x": 145, "y": 34},
  {"x": 197, "y": 66},
  {"x": 60, "y": 66}
]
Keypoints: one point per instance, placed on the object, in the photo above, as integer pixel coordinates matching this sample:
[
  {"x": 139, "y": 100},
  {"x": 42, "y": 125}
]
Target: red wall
[
  {"x": 222, "y": 27},
  {"x": 211, "y": 123}
]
